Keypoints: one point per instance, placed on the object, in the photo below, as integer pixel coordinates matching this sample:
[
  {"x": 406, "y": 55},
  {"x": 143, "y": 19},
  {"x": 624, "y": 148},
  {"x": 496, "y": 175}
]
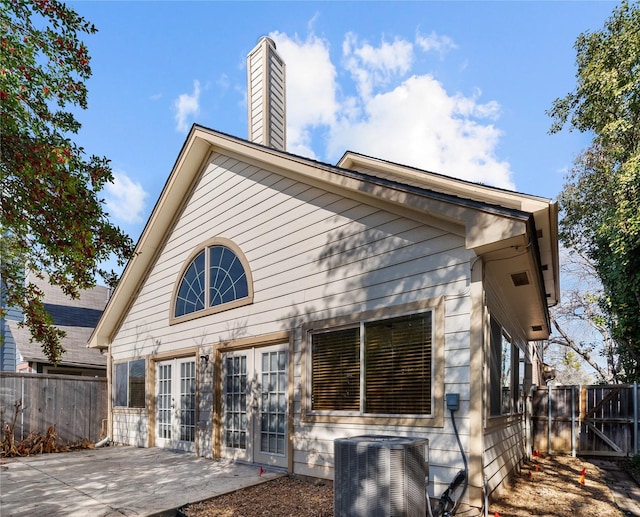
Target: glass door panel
[
  {"x": 164, "y": 405},
  {"x": 254, "y": 405},
  {"x": 176, "y": 404},
  {"x": 187, "y": 408},
  {"x": 236, "y": 371}
]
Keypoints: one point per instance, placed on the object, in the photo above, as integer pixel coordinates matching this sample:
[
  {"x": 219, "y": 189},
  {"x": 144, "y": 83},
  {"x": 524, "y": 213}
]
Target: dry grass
[{"x": 548, "y": 487}]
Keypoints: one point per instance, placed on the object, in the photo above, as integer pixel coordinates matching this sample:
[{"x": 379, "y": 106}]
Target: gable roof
[
  {"x": 76, "y": 317},
  {"x": 495, "y": 223}
]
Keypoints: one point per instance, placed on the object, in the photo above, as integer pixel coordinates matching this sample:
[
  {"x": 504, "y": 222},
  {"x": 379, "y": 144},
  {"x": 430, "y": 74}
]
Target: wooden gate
[{"x": 586, "y": 420}]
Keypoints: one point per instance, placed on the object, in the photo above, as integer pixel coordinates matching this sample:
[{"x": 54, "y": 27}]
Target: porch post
[
  {"x": 635, "y": 418},
  {"x": 477, "y": 409},
  {"x": 549, "y": 388},
  {"x": 573, "y": 421}
]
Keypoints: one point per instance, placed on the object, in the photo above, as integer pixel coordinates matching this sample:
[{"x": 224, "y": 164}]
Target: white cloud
[
  {"x": 371, "y": 67},
  {"x": 435, "y": 42},
  {"x": 419, "y": 124},
  {"x": 409, "y": 119},
  {"x": 223, "y": 83},
  {"x": 185, "y": 106},
  {"x": 125, "y": 198},
  {"x": 311, "y": 88}
]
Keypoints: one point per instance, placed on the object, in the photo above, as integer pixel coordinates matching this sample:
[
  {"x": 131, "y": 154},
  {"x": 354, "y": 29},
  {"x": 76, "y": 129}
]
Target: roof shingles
[{"x": 76, "y": 317}]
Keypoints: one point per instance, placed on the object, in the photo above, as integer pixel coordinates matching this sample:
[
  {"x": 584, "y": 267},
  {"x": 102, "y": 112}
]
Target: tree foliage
[
  {"x": 52, "y": 219},
  {"x": 601, "y": 197}
]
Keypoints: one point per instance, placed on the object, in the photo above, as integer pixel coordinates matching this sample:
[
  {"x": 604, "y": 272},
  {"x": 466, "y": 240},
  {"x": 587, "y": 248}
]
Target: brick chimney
[{"x": 266, "y": 95}]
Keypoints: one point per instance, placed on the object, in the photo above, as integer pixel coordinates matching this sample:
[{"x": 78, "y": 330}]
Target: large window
[
  {"x": 381, "y": 367},
  {"x": 130, "y": 384},
  {"x": 214, "y": 279}
]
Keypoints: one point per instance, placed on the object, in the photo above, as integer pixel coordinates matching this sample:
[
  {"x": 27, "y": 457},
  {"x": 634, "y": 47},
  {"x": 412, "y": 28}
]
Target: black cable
[
  {"x": 461, "y": 477},
  {"x": 466, "y": 466}
]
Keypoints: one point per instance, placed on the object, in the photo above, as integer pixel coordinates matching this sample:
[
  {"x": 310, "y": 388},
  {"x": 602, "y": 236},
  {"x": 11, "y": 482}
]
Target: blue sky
[{"x": 458, "y": 88}]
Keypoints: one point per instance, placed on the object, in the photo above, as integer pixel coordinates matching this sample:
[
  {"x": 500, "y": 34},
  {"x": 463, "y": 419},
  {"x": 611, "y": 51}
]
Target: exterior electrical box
[
  {"x": 379, "y": 476},
  {"x": 453, "y": 401}
]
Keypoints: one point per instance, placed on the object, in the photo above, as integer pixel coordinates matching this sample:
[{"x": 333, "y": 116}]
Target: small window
[
  {"x": 215, "y": 279},
  {"x": 381, "y": 367},
  {"x": 505, "y": 374},
  {"x": 500, "y": 371},
  {"x": 521, "y": 397},
  {"x": 129, "y": 384}
]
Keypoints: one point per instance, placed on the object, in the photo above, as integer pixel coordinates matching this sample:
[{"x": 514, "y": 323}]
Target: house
[
  {"x": 77, "y": 318},
  {"x": 276, "y": 303},
  {"x": 8, "y": 353}
]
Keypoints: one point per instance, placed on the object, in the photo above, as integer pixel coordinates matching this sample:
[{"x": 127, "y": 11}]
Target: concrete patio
[{"x": 116, "y": 481}]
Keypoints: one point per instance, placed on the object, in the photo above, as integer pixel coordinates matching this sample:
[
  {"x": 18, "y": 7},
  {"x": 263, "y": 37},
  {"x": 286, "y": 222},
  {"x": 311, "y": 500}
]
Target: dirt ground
[
  {"x": 551, "y": 487},
  {"x": 282, "y": 497},
  {"x": 548, "y": 487}
]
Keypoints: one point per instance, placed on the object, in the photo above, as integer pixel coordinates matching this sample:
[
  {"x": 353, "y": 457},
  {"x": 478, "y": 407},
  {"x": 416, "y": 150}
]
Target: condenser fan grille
[{"x": 380, "y": 476}]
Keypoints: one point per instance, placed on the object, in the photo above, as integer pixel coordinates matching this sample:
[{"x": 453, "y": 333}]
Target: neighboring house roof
[
  {"x": 76, "y": 317},
  {"x": 497, "y": 224}
]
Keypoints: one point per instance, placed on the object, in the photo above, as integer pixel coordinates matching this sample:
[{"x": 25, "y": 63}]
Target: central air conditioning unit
[{"x": 380, "y": 476}]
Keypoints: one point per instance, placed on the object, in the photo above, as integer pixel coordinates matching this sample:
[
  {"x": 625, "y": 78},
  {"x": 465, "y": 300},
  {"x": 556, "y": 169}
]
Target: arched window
[
  {"x": 217, "y": 278},
  {"x": 191, "y": 292}
]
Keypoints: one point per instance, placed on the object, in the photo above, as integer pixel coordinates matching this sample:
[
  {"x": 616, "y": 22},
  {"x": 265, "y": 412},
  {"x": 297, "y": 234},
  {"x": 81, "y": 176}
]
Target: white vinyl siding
[
  {"x": 313, "y": 255},
  {"x": 130, "y": 428}
]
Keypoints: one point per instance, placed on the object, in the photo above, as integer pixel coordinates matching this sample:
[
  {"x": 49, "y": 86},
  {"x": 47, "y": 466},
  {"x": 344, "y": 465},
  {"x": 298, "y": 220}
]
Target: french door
[
  {"x": 176, "y": 404},
  {"x": 254, "y": 405}
]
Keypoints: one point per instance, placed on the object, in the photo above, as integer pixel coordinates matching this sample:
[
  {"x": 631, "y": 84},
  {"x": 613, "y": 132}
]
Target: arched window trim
[{"x": 216, "y": 241}]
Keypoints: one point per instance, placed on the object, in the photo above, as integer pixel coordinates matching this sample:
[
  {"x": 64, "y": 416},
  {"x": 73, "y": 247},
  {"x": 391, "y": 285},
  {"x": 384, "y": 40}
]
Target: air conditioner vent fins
[{"x": 379, "y": 476}]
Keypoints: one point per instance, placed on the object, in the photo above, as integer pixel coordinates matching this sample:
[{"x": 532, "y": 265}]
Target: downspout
[{"x": 109, "y": 392}]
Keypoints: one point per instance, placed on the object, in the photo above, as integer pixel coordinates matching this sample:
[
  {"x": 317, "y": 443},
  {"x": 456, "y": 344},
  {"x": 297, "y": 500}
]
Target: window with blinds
[
  {"x": 336, "y": 370},
  {"x": 379, "y": 367},
  {"x": 398, "y": 365}
]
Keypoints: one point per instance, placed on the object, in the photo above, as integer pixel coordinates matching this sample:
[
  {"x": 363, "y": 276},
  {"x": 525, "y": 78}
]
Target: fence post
[
  {"x": 635, "y": 418},
  {"x": 24, "y": 402},
  {"x": 573, "y": 421},
  {"x": 549, "y": 388}
]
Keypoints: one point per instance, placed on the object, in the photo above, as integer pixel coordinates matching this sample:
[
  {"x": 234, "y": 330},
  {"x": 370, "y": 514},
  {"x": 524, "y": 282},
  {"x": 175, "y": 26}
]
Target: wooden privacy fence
[
  {"x": 76, "y": 406},
  {"x": 586, "y": 420}
]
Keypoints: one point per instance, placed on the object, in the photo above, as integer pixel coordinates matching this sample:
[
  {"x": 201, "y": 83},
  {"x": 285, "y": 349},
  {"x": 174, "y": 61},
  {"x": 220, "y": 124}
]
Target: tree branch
[{"x": 568, "y": 342}]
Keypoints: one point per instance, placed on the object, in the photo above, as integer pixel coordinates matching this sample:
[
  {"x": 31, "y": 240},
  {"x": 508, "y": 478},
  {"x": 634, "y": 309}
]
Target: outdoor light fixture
[{"x": 204, "y": 358}]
